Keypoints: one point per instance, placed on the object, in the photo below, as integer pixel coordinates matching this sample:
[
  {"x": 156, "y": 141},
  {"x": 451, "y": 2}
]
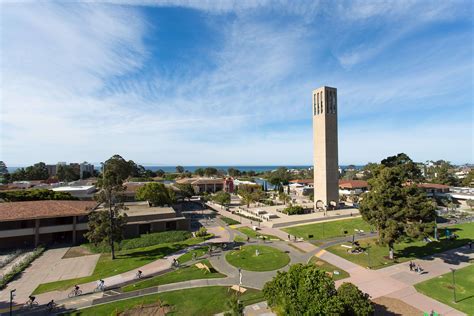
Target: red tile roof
[
  {"x": 353, "y": 184},
  {"x": 13, "y": 211},
  {"x": 303, "y": 181},
  {"x": 433, "y": 186}
]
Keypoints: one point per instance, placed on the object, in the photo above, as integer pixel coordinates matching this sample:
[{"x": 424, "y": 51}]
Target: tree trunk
[{"x": 111, "y": 237}]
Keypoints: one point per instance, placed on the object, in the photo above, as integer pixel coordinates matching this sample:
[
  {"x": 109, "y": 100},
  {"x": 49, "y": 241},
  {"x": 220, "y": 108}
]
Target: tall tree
[
  {"x": 156, "y": 193},
  {"x": 4, "y": 174},
  {"x": 179, "y": 169},
  {"x": 67, "y": 173},
  {"x": 395, "y": 205},
  {"x": 185, "y": 190},
  {"x": 100, "y": 229},
  {"x": 355, "y": 301},
  {"x": 221, "y": 197},
  {"x": 115, "y": 171},
  {"x": 199, "y": 172}
]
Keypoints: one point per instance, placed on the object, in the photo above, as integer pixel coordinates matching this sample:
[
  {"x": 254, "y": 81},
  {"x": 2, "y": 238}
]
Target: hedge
[{"x": 292, "y": 210}]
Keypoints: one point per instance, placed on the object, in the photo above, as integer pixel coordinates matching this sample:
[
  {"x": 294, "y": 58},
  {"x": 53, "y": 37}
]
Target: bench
[
  {"x": 346, "y": 246},
  {"x": 238, "y": 288}
]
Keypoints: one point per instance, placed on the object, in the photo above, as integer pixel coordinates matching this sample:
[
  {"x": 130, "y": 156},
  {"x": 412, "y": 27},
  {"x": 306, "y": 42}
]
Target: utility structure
[{"x": 325, "y": 148}]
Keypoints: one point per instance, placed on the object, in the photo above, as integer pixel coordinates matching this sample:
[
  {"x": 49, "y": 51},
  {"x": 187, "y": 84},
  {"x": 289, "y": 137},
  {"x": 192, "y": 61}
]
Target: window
[
  {"x": 322, "y": 104},
  {"x": 317, "y": 95},
  {"x": 314, "y": 104}
]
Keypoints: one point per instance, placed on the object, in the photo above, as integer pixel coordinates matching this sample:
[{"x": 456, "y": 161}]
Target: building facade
[{"x": 325, "y": 148}]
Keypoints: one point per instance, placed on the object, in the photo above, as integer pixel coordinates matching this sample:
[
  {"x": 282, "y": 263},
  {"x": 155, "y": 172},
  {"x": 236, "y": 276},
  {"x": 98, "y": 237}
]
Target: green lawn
[
  {"x": 126, "y": 260},
  {"x": 326, "y": 266},
  {"x": 182, "y": 274},
  {"x": 238, "y": 238},
  {"x": 255, "y": 234},
  {"x": 229, "y": 221},
  {"x": 441, "y": 289},
  {"x": 405, "y": 251},
  {"x": 196, "y": 301},
  {"x": 189, "y": 255},
  {"x": 327, "y": 230},
  {"x": 269, "y": 258}
]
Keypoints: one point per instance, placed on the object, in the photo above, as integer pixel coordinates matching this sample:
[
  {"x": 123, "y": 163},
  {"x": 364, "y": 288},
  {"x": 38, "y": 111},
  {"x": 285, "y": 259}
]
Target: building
[
  {"x": 229, "y": 185},
  {"x": 27, "y": 224},
  {"x": 433, "y": 189},
  {"x": 201, "y": 185},
  {"x": 82, "y": 192},
  {"x": 352, "y": 187},
  {"x": 52, "y": 170},
  {"x": 325, "y": 148},
  {"x": 86, "y": 170}
]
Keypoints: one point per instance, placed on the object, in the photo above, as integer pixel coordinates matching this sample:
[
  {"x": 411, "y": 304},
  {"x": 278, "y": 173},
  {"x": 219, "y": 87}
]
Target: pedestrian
[
  {"x": 194, "y": 256},
  {"x": 295, "y": 237},
  {"x": 248, "y": 239},
  {"x": 289, "y": 237},
  {"x": 470, "y": 244},
  {"x": 411, "y": 265}
]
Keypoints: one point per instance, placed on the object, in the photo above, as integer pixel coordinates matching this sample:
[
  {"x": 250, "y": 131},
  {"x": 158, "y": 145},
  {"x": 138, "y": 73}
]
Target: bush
[
  {"x": 18, "y": 268},
  {"x": 202, "y": 232},
  {"x": 292, "y": 210},
  {"x": 144, "y": 241},
  {"x": 35, "y": 195},
  {"x": 355, "y": 301}
]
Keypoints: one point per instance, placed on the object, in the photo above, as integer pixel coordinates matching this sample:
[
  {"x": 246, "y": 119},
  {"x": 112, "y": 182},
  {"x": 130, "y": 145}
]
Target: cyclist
[
  {"x": 32, "y": 299},
  {"x": 76, "y": 289},
  {"x": 51, "y": 305},
  {"x": 139, "y": 274}
]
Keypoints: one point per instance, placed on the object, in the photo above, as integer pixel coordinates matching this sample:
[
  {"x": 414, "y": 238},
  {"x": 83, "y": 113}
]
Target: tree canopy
[
  {"x": 307, "y": 290},
  {"x": 395, "y": 204},
  {"x": 38, "y": 171},
  {"x": 156, "y": 193},
  {"x": 34, "y": 195},
  {"x": 102, "y": 230},
  {"x": 221, "y": 198}
]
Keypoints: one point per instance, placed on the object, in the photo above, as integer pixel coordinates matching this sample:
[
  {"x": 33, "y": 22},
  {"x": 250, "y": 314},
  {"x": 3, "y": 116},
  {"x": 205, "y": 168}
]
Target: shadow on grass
[
  {"x": 381, "y": 310},
  {"x": 152, "y": 254},
  {"x": 437, "y": 248}
]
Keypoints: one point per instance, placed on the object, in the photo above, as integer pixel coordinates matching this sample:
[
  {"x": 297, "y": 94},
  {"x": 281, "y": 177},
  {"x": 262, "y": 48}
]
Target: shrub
[
  {"x": 19, "y": 267},
  {"x": 291, "y": 210},
  {"x": 202, "y": 232},
  {"x": 35, "y": 195},
  {"x": 144, "y": 241}
]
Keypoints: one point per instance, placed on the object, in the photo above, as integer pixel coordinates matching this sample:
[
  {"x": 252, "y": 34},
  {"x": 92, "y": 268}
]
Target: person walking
[{"x": 289, "y": 237}]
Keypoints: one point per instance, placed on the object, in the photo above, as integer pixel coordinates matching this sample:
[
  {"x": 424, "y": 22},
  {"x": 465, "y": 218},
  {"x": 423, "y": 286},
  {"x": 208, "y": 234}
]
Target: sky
[{"x": 230, "y": 82}]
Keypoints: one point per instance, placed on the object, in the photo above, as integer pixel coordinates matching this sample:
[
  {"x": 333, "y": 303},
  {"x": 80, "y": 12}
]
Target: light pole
[
  {"x": 12, "y": 295},
  {"x": 454, "y": 285},
  {"x": 368, "y": 254}
]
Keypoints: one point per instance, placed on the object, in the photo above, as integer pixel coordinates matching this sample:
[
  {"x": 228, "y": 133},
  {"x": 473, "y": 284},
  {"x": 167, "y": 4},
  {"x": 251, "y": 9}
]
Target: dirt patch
[
  {"x": 154, "y": 309},
  {"x": 77, "y": 251},
  {"x": 387, "y": 306}
]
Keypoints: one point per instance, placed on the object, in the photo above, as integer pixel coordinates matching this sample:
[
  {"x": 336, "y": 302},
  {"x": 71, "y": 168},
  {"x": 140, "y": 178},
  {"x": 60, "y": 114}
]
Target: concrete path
[{"x": 49, "y": 267}]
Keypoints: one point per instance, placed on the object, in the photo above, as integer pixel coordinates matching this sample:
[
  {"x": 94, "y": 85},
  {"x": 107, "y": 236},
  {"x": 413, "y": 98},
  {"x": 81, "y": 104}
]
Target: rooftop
[
  {"x": 353, "y": 184},
  {"x": 14, "y": 211}
]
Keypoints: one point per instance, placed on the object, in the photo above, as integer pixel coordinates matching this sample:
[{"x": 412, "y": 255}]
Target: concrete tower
[{"x": 325, "y": 152}]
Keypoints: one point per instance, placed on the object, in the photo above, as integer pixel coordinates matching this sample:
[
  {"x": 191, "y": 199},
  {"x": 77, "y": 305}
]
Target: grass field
[
  {"x": 182, "y": 274},
  {"x": 441, "y": 289},
  {"x": 196, "y": 301},
  {"x": 189, "y": 255},
  {"x": 269, "y": 258},
  {"x": 405, "y": 251},
  {"x": 327, "y": 230},
  {"x": 255, "y": 234},
  {"x": 326, "y": 266},
  {"x": 126, "y": 260},
  {"x": 229, "y": 221}
]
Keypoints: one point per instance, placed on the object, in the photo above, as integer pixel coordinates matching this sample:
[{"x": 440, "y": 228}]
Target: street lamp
[
  {"x": 12, "y": 295},
  {"x": 368, "y": 254},
  {"x": 454, "y": 285}
]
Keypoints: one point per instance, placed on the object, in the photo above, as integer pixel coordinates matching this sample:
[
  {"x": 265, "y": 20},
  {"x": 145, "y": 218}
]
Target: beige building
[{"x": 325, "y": 148}]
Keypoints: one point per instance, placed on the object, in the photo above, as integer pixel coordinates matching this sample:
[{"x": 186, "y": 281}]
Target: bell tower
[{"x": 325, "y": 148}]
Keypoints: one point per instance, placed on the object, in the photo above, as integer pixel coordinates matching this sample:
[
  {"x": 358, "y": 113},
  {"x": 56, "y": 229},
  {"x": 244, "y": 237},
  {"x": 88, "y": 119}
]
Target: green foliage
[
  {"x": 293, "y": 209},
  {"x": 209, "y": 171},
  {"x": 67, "y": 173},
  {"x": 4, "y": 174},
  {"x": 221, "y": 197},
  {"x": 144, "y": 240},
  {"x": 355, "y": 302},
  {"x": 395, "y": 205},
  {"x": 470, "y": 203},
  {"x": 234, "y": 172},
  {"x": 303, "y": 290},
  {"x": 36, "y": 172},
  {"x": 35, "y": 195},
  {"x": 179, "y": 169},
  {"x": 105, "y": 226},
  {"x": 250, "y": 193},
  {"x": 279, "y": 177},
  {"x": 468, "y": 179},
  {"x": 235, "y": 307},
  {"x": 185, "y": 190},
  {"x": 156, "y": 193},
  {"x": 202, "y": 232},
  {"x": 285, "y": 198},
  {"x": 18, "y": 268}
]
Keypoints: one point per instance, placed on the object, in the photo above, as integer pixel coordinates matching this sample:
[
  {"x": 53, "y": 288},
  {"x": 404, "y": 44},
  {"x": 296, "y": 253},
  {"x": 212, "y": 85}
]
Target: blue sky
[{"x": 224, "y": 82}]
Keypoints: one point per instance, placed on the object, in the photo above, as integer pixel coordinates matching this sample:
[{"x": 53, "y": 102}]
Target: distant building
[
  {"x": 433, "y": 189},
  {"x": 52, "y": 170},
  {"x": 229, "y": 185},
  {"x": 82, "y": 192},
  {"x": 86, "y": 168},
  {"x": 201, "y": 185},
  {"x": 352, "y": 187}
]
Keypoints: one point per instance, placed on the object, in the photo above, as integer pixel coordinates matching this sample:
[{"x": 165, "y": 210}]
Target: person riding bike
[
  {"x": 139, "y": 274},
  {"x": 32, "y": 299},
  {"x": 76, "y": 288},
  {"x": 51, "y": 305}
]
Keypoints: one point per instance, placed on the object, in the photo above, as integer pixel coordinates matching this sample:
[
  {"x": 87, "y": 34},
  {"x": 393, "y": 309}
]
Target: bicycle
[
  {"x": 74, "y": 293},
  {"x": 99, "y": 288},
  {"x": 138, "y": 275},
  {"x": 30, "y": 304}
]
